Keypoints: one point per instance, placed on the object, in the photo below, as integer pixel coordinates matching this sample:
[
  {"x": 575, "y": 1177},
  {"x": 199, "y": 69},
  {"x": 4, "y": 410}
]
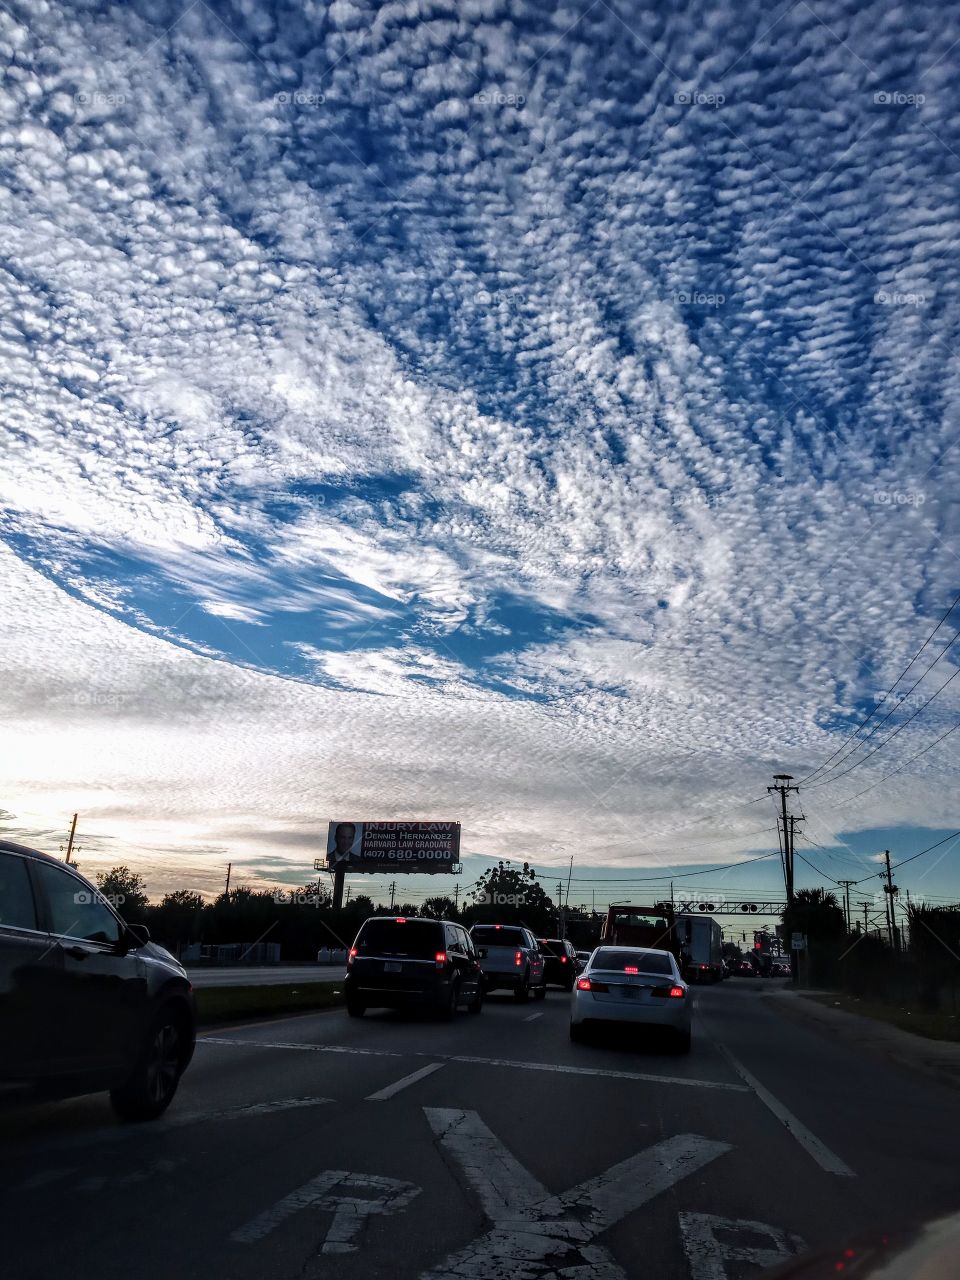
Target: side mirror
[{"x": 138, "y": 935}]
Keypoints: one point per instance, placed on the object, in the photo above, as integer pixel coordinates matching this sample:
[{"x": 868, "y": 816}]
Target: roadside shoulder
[{"x": 938, "y": 1059}]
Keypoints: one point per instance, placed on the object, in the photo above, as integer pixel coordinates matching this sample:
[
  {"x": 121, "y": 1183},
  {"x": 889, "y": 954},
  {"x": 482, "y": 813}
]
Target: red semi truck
[{"x": 631, "y": 926}]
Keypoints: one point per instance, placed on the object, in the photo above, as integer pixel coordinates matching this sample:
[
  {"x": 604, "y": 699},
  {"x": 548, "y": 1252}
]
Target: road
[
  {"x": 271, "y": 975},
  {"x": 486, "y": 1149}
]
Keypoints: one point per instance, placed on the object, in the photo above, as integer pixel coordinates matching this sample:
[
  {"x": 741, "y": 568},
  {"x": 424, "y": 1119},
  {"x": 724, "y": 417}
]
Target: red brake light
[
  {"x": 352, "y": 956},
  {"x": 401, "y": 919},
  {"x": 631, "y": 968},
  {"x": 677, "y": 993},
  {"x": 563, "y": 959},
  {"x": 583, "y": 984},
  {"x": 518, "y": 958},
  {"x": 441, "y": 959},
  {"x": 498, "y": 926}
]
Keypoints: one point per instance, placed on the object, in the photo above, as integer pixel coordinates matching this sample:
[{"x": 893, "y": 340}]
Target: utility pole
[
  {"x": 227, "y": 886},
  {"x": 560, "y": 909},
  {"x": 393, "y": 892},
  {"x": 783, "y": 785},
  {"x": 339, "y": 876},
  {"x": 846, "y": 899},
  {"x": 891, "y": 890},
  {"x": 73, "y": 832},
  {"x": 456, "y": 897}
]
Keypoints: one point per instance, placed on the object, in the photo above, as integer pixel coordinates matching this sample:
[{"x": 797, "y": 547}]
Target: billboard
[{"x": 421, "y": 847}]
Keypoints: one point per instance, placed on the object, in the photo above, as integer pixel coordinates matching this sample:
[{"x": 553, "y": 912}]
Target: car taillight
[
  {"x": 441, "y": 959},
  {"x": 518, "y": 958},
  {"x": 631, "y": 968},
  {"x": 591, "y": 984},
  {"x": 675, "y": 993},
  {"x": 563, "y": 959},
  {"x": 351, "y": 956},
  {"x": 401, "y": 919},
  {"x": 583, "y": 984}
]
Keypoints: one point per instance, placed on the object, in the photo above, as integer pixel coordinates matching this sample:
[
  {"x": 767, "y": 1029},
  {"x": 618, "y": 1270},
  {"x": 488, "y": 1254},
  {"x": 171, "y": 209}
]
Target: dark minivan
[
  {"x": 87, "y": 1002},
  {"x": 401, "y": 961}
]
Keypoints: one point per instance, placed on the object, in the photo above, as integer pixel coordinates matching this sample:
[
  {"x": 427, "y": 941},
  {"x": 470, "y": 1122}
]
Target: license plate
[
  {"x": 392, "y": 966},
  {"x": 629, "y": 993}
]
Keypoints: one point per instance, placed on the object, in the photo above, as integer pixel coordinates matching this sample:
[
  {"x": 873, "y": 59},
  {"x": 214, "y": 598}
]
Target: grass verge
[
  {"x": 223, "y": 1004},
  {"x": 931, "y": 1025}
]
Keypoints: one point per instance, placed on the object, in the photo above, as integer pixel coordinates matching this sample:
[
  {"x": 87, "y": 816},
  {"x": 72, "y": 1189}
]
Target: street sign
[
  {"x": 419, "y": 847},
  {"x": 798, "y": 942}
]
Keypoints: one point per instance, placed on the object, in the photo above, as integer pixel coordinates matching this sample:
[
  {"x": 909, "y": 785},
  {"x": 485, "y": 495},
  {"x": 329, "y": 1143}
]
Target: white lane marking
[
  {"x": 325, "y": 1192},
  {"x": 753, "y": 1242},
  {"x": 648, "y": 1077},
  {"x": 535, "y": 1234},
  {"x": 602, "y": 1071},
  {"x": 533, "y": 1017},
  {"x": 382, "y": 1094},
  {"x": 824, "y": 1157},
  {"x": 309, "y": 1048}
]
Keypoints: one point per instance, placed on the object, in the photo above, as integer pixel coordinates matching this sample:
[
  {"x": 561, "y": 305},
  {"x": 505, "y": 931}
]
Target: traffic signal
[{"x": 757, "y": 946}]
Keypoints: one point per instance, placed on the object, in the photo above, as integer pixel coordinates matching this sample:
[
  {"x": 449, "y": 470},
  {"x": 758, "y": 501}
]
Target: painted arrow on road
[{"x": 538, "y": 1236}]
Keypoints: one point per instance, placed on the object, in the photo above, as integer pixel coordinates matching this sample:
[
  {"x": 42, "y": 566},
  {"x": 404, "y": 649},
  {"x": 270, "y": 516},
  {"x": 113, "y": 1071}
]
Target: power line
[
  {"x": 913, "y": 857},
  {"x": 888, "y": 692},
  {"x": 909, "y": 760}
]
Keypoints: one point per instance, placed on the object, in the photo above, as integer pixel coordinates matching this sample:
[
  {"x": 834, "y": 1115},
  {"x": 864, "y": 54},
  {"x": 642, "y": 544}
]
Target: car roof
[
  {"x": 10, "y": 846},
  {"x": 408, "y": 920}
]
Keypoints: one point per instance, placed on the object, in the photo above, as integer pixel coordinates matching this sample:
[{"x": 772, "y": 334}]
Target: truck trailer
[{"x": 701, "y": 943}]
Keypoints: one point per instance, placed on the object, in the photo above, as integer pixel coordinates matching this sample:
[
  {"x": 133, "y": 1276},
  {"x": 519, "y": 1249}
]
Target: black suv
[
  {"x": 399, "y": 961},
  {"x": 87, "y": 1002},
  {"x": 560, "y": 963}
]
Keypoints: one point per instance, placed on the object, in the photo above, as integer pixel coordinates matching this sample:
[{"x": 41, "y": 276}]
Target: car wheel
[
  {"x": 153, "y": 1082},
  {"x": 476, "y": 1004},
  {"x": 683, "y": 1042},
  {"x": 448, "y": 1009},
  {"x": 522, "y": 992},
  {"x": 355, "y": 1009},
  {"x": 577, "y": 1033}
]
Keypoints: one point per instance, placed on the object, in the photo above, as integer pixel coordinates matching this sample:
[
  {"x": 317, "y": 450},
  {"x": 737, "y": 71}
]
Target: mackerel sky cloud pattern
[{"x": 537, "y": 415}]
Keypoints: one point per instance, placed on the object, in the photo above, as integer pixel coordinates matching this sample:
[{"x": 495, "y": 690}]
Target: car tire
[
  {"x": 355, "y": 1008},
  {"x": 683, "y": 1041},
  {"x": 522, "y": 992},
  {"x": 149, "y": 1090},
  {"x": 577, "y": 1033},
  {"x": 448, "y": 1010},
  {"x": 476, "y": 1004}
]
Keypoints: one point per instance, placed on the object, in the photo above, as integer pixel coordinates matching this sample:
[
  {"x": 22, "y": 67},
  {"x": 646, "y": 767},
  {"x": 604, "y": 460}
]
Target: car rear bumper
[{"x": 671, "y": 1013}]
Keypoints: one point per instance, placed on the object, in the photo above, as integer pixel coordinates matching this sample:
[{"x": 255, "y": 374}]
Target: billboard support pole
[{"x": 338, "y": 878}]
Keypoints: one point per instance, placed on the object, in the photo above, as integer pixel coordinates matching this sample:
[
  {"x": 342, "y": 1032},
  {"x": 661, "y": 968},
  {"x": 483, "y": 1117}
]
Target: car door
[
  {"x": 471, "y": 962},
  {"x": 536, "y": 959},
  {"x": 102, "y": 995},
  {"x": 27, "y": 975}
]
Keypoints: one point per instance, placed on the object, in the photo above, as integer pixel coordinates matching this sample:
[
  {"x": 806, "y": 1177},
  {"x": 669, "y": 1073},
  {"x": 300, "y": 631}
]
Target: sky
[{"x": 538, "y": 416}]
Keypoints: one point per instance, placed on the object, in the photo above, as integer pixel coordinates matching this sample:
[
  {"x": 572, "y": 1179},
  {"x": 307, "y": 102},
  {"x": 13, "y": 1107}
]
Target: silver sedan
[{"x": 631, "y": 985}]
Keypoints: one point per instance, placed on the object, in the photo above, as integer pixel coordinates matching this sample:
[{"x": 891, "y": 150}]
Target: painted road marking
[
  {"x": 535, "y": 1235},
  {"x": 382, "y": 1094},
  {"x": 533, "y": 1017},
  {"x": 474, "y": 1060},
  {"x": 744, "y": 1241},
  {"x": 824, "y": 1157},
  {"x": 325, "y": 1192}
]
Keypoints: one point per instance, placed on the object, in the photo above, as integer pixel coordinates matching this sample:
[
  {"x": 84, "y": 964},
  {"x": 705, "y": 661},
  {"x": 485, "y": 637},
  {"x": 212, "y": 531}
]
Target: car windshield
[
  {"x": 490, "y": 936},
  {"x": 641, "y": 961},
  {"x": 415, "y": 938}
]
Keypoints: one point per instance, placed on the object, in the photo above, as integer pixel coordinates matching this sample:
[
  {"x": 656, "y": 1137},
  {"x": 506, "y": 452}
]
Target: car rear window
[
  {"x": 643, "y": 961},
  {"x": 420, "y": 939},
  {"x": 488, "y": 936}
]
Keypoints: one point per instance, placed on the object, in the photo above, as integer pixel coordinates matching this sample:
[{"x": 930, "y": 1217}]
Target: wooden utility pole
[
  {"x": 846, "y": 899},
  {"x": 226, "y": 890},
  {"x": 73, "y": 832},
  {"x": 891, "y": 891},
  {"x": 783, "y": 785}
]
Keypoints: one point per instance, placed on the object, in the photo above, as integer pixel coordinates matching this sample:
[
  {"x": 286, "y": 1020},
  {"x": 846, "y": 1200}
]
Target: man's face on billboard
[{"x": 344, "y": 836}]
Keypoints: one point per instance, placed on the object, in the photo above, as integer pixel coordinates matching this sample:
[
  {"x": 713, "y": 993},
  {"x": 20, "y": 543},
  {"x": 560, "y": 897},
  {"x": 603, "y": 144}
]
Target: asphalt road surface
[{"x": 490, "y": 1148}]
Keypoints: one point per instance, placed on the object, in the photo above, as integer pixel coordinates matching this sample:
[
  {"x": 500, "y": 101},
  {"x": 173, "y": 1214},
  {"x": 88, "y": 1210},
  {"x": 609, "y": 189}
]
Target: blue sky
[{"x": 541, "y": 416}]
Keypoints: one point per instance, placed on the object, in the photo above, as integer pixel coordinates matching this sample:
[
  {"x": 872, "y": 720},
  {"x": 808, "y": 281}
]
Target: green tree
[
  {"x": 178, "y": 917},
  {"x": 816, "y": 913},
  {"x": 441, "y": 908},
  {"x": 511, "y": 895},
  {"x": 125, "y": 889}
]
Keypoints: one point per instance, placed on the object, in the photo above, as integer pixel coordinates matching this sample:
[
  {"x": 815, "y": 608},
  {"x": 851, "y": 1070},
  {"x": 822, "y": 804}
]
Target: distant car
[
  {"x": 560, "y": 966},
  {"x": 631, "y": 985},
  {"x": 583, "y": 958},
  {"x": 746, "y": 969},
  {"x": 87, "y": 1002},
  {"x": 398, "y": 962},
  {"x": 510, "y": 959}
]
